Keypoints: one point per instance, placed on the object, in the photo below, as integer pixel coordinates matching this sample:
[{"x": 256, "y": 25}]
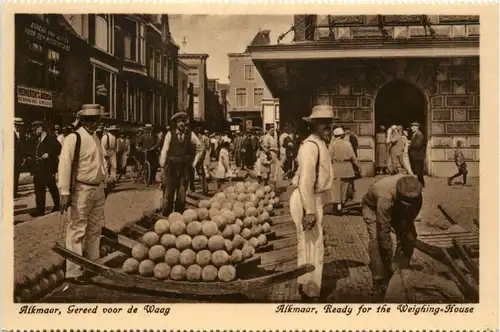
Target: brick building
[
  {"x": 197, "y": 76},
  {"x": 52, "y": 72},
  {"x": 183, "y": 87},
  {"x": 133, "y": 62},
  {"x": 383, "y": 70},
  {"x": 250, "y": 101}
]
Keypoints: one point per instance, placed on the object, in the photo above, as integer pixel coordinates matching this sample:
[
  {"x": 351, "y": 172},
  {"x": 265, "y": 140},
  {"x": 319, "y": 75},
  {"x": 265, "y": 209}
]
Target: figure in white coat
[
  {"x": 109, "y": 146},
  {"x": 82, "y": 188},
  {"x": 313, "y": 178}
]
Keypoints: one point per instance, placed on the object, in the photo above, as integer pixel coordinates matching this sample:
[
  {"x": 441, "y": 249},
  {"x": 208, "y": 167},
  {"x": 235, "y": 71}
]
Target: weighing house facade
[{"x": 383, "y": 70}]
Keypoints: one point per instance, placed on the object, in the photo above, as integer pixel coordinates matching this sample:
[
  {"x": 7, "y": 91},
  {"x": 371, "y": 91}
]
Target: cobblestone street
[{"x": 346, "y": 277}]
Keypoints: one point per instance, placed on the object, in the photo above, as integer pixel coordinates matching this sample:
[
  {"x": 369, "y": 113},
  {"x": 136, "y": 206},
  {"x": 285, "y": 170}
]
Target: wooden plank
[
  {"x": 469, "y": 264},
  {"x": 457, "y": 217}
]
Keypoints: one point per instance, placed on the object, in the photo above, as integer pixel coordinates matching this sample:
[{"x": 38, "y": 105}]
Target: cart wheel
[{"x": 147, "y": 173}]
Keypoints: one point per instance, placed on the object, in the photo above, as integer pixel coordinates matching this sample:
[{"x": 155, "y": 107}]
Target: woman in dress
[
  {"x": 262, "y": 167},
  {"x": 406, "y": 159},
  {"x": 381, "y": 151},
  {"x": 223, "y": 170}
]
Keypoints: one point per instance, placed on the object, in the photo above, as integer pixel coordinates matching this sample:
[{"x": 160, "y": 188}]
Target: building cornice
[
  {"x": 239, "y": 55},
  {"x": 202, "y": 56},
  {"x": 367, "y": 48},
  {"x": 368, "y": 44}
]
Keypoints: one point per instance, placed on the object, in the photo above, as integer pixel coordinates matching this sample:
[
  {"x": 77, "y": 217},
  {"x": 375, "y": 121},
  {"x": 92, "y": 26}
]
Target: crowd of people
[{"x": 323, "y": 168}]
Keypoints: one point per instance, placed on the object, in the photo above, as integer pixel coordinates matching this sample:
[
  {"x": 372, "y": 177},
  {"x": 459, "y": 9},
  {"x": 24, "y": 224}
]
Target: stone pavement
[
  {"x": 346, "y": 277},
  {"x": 34, "y": 237}
]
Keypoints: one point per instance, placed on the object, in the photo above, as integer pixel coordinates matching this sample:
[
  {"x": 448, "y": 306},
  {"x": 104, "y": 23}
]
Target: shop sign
[
  {"x": 34, "y": 96},
  {"x": 44, "y": 34},
  {"x": 235, "y": 127}
]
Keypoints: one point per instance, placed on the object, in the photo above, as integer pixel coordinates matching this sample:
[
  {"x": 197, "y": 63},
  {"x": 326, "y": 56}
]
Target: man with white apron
[
  {"x": 314, "y": 177},
  {"x": 269, "y": 143},
  {"x": 81, "y": 185},
  {"x": 345, "y": 166},
  {"x": 109, "y": 146}
]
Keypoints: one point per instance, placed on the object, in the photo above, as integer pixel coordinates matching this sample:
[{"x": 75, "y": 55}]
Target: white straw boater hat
[
  {"x": 18, "y": 121},
  {"x": 91, "y": 110},
  {"x": 320, "y": 113},
  {"x": 338, "y": 132}
]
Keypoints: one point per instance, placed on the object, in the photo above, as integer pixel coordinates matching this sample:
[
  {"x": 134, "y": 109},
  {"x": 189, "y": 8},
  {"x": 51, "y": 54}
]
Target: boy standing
[{"x": 461, "y": 165}]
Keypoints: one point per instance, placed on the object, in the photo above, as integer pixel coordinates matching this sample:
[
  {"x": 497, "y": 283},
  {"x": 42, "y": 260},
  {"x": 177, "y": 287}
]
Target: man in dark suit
[
  {"x": 18, "y": 153},
  {"x": 46, "y": 162},
  {"x": 416, "y": 152}
]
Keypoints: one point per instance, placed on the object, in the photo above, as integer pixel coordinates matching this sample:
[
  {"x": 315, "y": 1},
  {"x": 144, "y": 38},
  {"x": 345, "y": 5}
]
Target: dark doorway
[{"x": 400, "y": 103}]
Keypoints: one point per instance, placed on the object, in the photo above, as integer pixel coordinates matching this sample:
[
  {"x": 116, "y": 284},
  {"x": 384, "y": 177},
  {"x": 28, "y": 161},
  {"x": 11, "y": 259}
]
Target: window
[
  {"x": 134, "y": 41},
  {"x": 170, "y": 72},
  {"x": 79, "y": 23},
  {"x": 193, "y": 78},
  {"x": 241, "y": 97},
  {"x": 104, "y": 32},
  {"x": 152, "y": 108},
  {"x": 258, "y": 94},
  {"x": 141, "y": 44},
  {"x": 54, "y": 70},
  {"x": 165, "y": 68},
  {"x": 249, "y": 73},
  {"x": 104, "y": 90},
  {"x": 196, "y": 108},
  {"x": 158, "y": 65},
  {"x": 130, "y": 38},
  {"x": 158, "y": 110},
  {"x": 125, "y": 108},
  {"x": 151, "y": 66},
  {"x": 140, "y": 105}
]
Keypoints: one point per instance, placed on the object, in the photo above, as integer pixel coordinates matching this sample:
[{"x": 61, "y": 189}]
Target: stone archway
[{"x": 400, "y": 103}]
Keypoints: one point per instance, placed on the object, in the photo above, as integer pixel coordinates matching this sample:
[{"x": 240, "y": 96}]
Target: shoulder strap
[
  {"x": 76, "y": 158},
  {"x": 317, "y": 164}
]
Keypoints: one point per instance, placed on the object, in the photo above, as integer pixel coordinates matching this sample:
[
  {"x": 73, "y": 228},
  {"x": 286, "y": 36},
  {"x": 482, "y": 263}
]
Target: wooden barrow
[{"x": 252, "y": 279}]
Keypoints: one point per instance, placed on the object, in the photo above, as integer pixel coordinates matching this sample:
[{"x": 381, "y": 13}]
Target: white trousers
[
  {"x": 111, "y": 155},
  {"x": 310, "y": 246},
  {"x": 123, "y": 162},
  {"x": 84, "y": 229}
]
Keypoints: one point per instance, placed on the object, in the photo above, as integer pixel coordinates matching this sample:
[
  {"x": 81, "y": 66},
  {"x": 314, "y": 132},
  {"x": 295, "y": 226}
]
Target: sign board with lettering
[
  {"x": 235, "y": 127},
  {"x": 45, "y": 34},
  {"x": 34, "y": 96}
]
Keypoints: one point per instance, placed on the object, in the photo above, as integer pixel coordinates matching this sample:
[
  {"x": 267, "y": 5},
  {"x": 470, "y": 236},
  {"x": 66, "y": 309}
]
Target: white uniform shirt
[
  {"x": 306, "y": 173},
  {"x": 91, "y": 161},
  {"x": 60, "y": 139},
  {"x": 111, "y": 147},
  {"x": 270, "y": 143},
  {"x": 166, "y": 145}
]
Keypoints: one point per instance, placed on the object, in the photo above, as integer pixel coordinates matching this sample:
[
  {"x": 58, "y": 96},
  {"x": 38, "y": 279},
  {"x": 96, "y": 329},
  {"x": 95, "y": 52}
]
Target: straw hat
[
  {"x": 179, "y": 115},
  {"x": 415, "y": 124},
  {"x": 91, "y": 110},
  {"x": 320, "y": 113},
  {"x": 112, "y": 128},
  {"x": 338, "y": 131},
  {"x": 18, "y": 121}
]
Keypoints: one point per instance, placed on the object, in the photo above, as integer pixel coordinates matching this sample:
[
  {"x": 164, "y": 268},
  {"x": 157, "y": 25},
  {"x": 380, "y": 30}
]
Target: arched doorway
[{"x": 400, "y": 103}]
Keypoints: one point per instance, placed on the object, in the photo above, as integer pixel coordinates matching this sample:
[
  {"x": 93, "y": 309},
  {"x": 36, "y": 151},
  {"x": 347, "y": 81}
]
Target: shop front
[
  {"x": 434, "y": 83},
  {"x": 104, "y": 87},
  {"x": 51, "y": 69}
]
